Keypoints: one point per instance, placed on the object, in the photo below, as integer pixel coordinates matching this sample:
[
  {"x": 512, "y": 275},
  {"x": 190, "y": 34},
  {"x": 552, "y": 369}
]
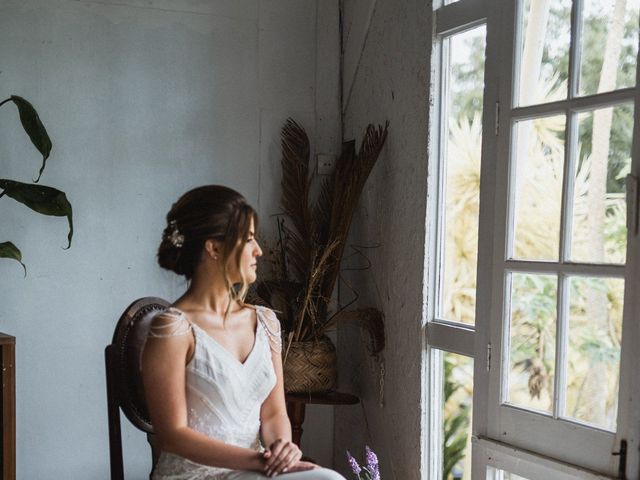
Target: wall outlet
[{"x": 326, "y": 163}]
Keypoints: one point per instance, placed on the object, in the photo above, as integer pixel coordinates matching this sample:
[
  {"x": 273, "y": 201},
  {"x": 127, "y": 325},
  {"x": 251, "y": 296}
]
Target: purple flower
[
  {"x": 353, "y": 464},
  {"x": 372, "y": 463}
]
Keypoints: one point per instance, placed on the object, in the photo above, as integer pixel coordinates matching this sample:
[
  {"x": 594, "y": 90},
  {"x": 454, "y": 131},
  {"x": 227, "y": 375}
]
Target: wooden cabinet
[{"x": 8, "y": 406}]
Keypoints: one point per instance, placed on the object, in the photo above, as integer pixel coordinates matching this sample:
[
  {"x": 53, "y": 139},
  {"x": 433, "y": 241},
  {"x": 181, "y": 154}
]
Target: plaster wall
[
  {"x": 386, "y": 54},
  {"x": 143, "y": 99}
]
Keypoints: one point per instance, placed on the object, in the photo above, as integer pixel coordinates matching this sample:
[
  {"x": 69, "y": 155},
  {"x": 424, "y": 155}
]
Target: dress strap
[
  {"x": 170, "y": 323},
  {"x": 271, "y": 325}
]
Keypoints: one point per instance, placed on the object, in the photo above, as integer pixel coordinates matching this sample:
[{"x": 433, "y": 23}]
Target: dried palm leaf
[
  {"x": 308, "y": 312},
  {"x": 322, "y": 211},
  {"x": 296, "y": 186},
  {"x": 298, "y": 253},
  {"x": 351, "y": 176},
  {"x": 312, "y": 245}
]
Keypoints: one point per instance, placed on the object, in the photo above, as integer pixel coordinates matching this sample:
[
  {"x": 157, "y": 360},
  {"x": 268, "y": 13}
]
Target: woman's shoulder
[
  {"x": 265, "y": 313},
  {"x": 267, "y": 317},
  {"x": 172, "y": 322}
]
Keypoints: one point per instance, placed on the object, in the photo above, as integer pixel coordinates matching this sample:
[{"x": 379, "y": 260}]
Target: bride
[{"x": 212, "y": 367}]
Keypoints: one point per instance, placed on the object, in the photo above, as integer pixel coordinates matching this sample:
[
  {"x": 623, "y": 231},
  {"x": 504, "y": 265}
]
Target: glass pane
[
  {"x": 600, "y": 210},
  {"x": 461, "y": 180},
  {"x": 532, "y": 342},
  {"x": 593, "y": 354},
  {"x": 458, "y": 395},
  {"x": 537, "y": 187},
  {"x": 544, "y": 30},
  {"x": 497, "y": 474},
  {"x": 609, "y": 45}
]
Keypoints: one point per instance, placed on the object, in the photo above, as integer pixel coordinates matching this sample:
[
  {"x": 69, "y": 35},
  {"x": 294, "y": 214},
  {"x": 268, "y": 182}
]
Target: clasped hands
[{"x": 283, "y": 456}]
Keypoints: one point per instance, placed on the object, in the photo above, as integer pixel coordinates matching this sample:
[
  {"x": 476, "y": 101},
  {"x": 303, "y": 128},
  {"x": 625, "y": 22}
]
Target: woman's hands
[
  {"x": 284, "y": 456},
  {"x": 301, "y": 466}
]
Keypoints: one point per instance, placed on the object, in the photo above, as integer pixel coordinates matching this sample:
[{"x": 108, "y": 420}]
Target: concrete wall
[
  {"x": 143, "y": 100},
  {"x": 386, "y": 54}
]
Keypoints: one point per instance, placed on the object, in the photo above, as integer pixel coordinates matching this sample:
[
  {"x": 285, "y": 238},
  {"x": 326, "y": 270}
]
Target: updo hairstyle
[{"x": 209, "y": 212}]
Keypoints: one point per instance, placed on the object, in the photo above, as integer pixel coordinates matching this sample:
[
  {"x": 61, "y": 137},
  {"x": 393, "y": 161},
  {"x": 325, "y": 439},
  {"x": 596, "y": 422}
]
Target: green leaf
[
  {"x": 44, "y": 200},
  {"x": 9, "y": 250},
  {"x": 34, "y": 128}
]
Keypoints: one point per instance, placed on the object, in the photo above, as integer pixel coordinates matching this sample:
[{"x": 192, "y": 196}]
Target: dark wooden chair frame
[{"x": 124, "y": 378}]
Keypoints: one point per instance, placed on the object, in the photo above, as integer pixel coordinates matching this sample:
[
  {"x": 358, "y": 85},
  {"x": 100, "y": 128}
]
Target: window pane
[
  {"x": 461, "y": 164},
  {"x": 544, "y": 30},
  {"x": 537, "y": 187},
  {"x": 609, "y": 35},
  {"x": 600, "y": 211},
  {"x": 532, "y": 342},
  {"x": 593, "y": 356},
  {"x": 457, "y": 395}
]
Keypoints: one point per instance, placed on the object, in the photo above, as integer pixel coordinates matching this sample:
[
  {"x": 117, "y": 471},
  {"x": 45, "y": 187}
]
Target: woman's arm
[
  {"x": 273, "y": 414},
  {"x": 282, "y": 454},
  {"x": 163, "y": 367}
]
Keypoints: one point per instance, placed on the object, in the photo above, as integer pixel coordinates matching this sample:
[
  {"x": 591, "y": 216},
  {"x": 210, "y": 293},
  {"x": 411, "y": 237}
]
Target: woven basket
[{"x": 310, "y": 367}]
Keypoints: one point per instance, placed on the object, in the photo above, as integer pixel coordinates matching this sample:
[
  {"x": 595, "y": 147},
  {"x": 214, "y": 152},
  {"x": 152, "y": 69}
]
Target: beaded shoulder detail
[
  {"x": 271, "y": 325},
  {"x": 170, "y": 323}
]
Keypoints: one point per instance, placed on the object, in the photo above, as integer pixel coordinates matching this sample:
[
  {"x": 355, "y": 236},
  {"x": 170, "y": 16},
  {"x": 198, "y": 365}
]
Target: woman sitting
[{"x": 212, "y": 365}]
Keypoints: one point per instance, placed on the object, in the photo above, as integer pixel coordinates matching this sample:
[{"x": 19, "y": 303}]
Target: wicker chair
[{"x": 124, "y": 380}]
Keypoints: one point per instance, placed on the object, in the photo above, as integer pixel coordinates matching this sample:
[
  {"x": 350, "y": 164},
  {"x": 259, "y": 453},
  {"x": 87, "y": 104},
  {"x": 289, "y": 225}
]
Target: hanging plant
[{"x": 39, "y": 198}]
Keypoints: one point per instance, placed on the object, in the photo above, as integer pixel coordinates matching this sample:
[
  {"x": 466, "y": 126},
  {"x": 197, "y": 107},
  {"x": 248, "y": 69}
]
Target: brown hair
[{"x": 209, "y": 212}]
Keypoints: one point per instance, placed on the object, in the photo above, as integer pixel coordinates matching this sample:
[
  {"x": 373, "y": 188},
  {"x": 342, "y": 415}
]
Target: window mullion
[
  {"x": 585, "y": 269},
  {"x": 575, "y": 48},
  {"x": 560, "y": 380},
  {"x": 570, "y": 152},
  {"x": 578, "y": 104},
  {"x": 440, "y": 226},
  {"x": 452, "y": 338},
  {"x": 566, "y": 209},
  {"x": 435, "y": 399},
  {"x": 460, "y": 15}
]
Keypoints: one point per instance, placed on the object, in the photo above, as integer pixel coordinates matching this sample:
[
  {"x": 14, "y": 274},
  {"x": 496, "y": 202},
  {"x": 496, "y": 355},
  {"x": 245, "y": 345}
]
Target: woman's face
[{"x": 248, "y": 258}]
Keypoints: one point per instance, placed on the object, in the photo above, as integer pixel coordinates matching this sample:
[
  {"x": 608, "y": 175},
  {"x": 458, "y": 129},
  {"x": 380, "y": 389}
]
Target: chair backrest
[{"x": 124, "y": 377}]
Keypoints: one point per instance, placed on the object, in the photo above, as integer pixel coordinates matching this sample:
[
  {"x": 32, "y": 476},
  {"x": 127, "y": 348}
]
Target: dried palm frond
[
  {"x": 296, "y": 185},
  {"x": 312, "y": 245},
  {"x": 350, "y": 177},
  {"x": 307, "y": 319}
]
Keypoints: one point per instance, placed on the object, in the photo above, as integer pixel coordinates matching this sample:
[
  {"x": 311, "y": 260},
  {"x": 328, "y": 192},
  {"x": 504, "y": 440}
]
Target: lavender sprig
[
  {"x": 370, "y": 471},
  {"x": 372, "y": 463},
  {"x": 353, "y": 464}
]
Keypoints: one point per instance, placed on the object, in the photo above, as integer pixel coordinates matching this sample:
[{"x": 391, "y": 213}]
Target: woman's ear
[{"x": 212, "y": 248}]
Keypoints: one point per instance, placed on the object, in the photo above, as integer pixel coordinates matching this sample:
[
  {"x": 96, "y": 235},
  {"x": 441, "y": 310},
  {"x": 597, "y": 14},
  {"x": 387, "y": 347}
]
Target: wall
[
  {"x": 143, "y": 100},
  {"x": 386, "y": 74}
]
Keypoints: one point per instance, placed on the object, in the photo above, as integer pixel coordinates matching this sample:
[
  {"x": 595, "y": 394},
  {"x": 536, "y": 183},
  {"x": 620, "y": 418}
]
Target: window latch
[
  {"x": 488, "y": 357},
  {"x": 622, "y": 466}
]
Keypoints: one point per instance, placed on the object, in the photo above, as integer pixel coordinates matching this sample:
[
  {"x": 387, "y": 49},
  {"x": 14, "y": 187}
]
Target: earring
[{"x": 215, "y": 257}]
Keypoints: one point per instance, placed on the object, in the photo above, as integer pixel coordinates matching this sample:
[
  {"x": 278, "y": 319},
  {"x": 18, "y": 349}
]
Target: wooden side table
[
  {"x": 297, "y": 403},
  {"x": 8, "y": 406}
]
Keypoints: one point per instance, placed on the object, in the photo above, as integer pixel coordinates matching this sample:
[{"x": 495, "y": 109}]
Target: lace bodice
[{"x": 223, "y": 395}]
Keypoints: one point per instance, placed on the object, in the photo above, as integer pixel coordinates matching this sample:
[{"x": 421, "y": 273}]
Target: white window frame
[
  {"x": 441, "y": 335},
  {"x": 484, "y": 340}
]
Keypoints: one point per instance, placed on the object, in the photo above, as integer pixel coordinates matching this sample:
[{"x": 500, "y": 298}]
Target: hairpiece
[{"x": 175, "y": 237}]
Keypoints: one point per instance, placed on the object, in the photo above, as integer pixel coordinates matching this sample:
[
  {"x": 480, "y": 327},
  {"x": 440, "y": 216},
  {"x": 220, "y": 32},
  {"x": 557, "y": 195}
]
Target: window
[
  {"x": 534, "y": 250},
  {"x": 460, "y": 50}
]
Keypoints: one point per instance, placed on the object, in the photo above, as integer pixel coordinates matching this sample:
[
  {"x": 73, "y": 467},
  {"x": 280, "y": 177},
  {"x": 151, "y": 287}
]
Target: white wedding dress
[{"x": 224, "y": 396}]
